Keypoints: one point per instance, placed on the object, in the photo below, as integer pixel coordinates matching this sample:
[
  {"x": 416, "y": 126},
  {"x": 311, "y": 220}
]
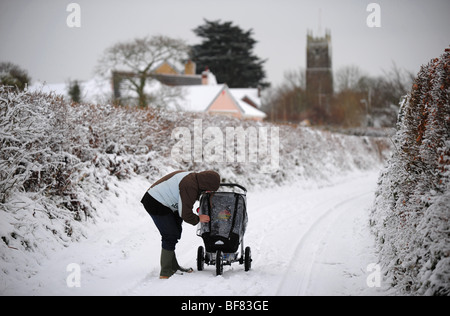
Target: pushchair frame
[{"x": 222, "y": 243}]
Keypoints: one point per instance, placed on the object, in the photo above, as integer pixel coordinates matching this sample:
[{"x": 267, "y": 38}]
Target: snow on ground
[{"x": 306, "y": 238}]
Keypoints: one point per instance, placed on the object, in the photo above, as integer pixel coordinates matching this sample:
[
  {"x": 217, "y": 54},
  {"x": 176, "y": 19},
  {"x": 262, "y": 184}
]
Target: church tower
[{"x": 319, "y": 73}]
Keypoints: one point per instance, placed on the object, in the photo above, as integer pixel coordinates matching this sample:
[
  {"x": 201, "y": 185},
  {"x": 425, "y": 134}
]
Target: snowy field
[{"x": 306, "y": 239}]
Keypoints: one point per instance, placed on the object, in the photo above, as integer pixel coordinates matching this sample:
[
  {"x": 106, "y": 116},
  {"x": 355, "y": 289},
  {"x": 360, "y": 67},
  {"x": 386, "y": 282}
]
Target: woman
[{"x": 169, "y": 202}]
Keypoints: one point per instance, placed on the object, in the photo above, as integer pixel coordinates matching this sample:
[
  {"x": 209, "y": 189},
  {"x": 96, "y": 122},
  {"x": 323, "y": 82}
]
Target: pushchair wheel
[
  {"x": 219, "y": 262},
  {"x": 248, "y": 259},
  {"x": 200, "y": 258}
]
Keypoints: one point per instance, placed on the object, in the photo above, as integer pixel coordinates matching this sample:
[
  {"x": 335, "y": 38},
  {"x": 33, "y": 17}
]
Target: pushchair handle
[{"x": 231, "y": 185}]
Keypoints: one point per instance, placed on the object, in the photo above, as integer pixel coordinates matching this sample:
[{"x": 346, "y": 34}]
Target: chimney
[
  {"x": 205, "y": 76},
  {"x": 190, "y": 68}
]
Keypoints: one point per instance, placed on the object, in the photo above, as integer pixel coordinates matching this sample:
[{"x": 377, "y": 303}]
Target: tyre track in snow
[{"x": 297, "y": 277}]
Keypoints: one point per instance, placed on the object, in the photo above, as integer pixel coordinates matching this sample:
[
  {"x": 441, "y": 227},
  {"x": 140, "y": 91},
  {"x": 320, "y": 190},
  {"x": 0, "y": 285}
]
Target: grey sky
[{"x": 34, "y": 34}]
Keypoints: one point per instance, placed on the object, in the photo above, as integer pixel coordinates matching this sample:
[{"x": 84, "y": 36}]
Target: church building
[{"x": 319, "y": 73}]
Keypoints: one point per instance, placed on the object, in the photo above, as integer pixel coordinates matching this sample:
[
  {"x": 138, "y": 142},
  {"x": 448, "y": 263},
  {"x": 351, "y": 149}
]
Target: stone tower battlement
[{"x": 319, "y": 72}]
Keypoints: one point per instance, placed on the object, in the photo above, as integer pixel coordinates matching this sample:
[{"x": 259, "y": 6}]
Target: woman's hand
[{"x": 204, "y": 218}]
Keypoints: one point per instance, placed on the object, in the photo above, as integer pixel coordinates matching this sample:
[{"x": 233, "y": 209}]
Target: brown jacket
[{"x": 188, "y": 192}]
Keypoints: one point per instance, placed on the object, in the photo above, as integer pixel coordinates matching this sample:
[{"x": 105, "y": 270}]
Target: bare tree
[
  {"x": 397, "y": 83},
  {"x": 349, "y": 78},
  {"x": 135, "y": 60}
]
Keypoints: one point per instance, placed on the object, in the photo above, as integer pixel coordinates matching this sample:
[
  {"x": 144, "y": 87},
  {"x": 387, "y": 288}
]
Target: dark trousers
[
  {"x": 167, "y": 221},
  {"x": 169, "y": 227}
]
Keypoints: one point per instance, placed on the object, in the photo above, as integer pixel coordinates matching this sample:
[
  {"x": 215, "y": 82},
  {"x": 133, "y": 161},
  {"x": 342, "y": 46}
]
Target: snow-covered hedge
[
  {"x": 412, "y": 209},
  {"x": 55, "y": 158}
]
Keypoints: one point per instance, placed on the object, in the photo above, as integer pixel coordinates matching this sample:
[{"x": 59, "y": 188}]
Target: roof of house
[
  {"x": 249, "y": 94},
  {"x": 179, "y": 80},
  {"x": 200, "y": 98}
]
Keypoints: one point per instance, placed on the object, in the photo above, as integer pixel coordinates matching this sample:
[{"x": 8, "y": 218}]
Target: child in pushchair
[{"x": 225, "y": 231}]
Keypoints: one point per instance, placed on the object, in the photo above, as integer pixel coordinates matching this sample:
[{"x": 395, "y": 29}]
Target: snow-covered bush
[
  {"x": 54, "y": 156},
  {"x": 412, "y": 209},
  {"x": 33, "y": 155}
]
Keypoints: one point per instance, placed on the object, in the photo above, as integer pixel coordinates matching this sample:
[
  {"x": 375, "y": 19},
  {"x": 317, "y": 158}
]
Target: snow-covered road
[{"x": 306, "y": 239}]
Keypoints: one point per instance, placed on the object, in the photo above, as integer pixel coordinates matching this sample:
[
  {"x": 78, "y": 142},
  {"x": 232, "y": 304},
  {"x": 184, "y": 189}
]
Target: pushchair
[{"x": 224, "y": 233}]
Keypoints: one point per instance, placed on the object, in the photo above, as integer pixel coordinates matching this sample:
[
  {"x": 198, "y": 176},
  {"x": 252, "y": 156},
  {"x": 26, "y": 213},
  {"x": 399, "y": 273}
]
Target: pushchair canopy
[{"x": 228, "y": 218}]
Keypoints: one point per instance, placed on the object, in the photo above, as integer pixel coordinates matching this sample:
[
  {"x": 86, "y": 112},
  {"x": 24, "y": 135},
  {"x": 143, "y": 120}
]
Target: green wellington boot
[{"x": 167, "y": 258}]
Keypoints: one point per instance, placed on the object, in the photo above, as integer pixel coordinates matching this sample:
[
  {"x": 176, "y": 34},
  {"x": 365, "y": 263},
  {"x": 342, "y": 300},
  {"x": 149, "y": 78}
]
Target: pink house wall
[{"x": 224, "y": 104}]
